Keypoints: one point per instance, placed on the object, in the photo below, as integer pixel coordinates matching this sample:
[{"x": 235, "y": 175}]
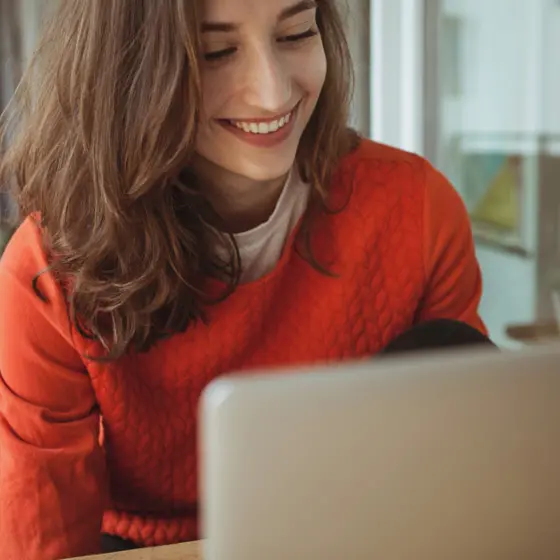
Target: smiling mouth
[{"x": 263, "y": 127}]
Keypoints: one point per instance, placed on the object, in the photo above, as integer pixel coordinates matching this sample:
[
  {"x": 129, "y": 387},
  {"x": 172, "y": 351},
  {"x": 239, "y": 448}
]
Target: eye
[
  {"x": 218, "y": 55},
  {"x": 299, "y": 37}
]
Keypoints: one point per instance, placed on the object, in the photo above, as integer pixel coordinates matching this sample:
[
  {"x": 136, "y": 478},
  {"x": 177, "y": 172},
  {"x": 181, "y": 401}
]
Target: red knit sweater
[{"x": 403, "y": 252}]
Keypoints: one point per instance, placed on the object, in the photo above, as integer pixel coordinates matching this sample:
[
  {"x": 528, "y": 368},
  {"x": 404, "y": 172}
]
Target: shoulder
[
  {"x": 24, "y": 252},
  {"x": 23, "y": 276},
  {"x": 25, "y": 258},
  {"x": 377, "y": 176},
  {"x": 374, "y": 170},
  {"x": 372, "y": 159},
  {"x": 409, "y": 209}
]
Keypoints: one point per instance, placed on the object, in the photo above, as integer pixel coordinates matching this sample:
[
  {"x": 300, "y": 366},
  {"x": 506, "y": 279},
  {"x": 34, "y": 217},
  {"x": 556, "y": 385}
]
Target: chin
[
  {"x": 259, "y": 167},
  {"x": 250, "y": 162},
  {"x": 264, "y": 173},
  {"x": 235, "y": 154}
]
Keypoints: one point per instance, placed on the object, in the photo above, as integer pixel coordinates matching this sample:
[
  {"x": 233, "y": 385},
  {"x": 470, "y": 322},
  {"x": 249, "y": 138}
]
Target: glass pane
[{"x": 497, "y": 138}]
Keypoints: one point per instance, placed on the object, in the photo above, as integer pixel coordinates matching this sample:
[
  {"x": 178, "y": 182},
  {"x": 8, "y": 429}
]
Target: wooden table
[
  {"x": 534, "y": 333},
  {"x": 187, "y": 551}
]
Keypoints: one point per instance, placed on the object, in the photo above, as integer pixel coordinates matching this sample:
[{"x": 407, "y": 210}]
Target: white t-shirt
[{"x": 260, "y": 248}]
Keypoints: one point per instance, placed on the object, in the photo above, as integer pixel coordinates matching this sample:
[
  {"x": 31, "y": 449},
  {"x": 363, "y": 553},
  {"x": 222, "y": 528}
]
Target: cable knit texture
[{"x": 401, "y": 251}]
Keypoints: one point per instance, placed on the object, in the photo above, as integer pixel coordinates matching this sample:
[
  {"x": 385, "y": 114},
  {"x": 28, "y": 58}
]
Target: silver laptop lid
[{"x": 447, "y": 456}]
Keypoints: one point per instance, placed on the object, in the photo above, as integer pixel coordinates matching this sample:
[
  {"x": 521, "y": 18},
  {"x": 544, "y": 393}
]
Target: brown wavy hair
[{"x": 99, "y": 138}]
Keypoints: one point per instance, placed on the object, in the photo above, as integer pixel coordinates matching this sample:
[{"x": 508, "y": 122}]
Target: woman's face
[{"x": 263, "y": 71}]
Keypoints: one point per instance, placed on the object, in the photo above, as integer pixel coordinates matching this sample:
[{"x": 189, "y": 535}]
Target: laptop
[{"x": 447, "y": 456}]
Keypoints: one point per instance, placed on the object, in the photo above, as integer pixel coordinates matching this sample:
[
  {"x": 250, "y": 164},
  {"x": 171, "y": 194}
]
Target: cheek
[
  {"x": 307, "y": 69},
  {"x": 312, "y": 72},
  {"x": 218, "y": 87},
  {"x": 210, "y": 99}
]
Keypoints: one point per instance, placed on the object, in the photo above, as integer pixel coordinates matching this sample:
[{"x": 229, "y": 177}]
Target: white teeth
[{"x": 263, "y": 127}]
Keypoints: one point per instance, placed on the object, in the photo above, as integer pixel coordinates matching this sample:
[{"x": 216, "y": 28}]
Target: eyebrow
[
  {"x": 301, "y": 6},
  {"x": 286, "y": 13}
]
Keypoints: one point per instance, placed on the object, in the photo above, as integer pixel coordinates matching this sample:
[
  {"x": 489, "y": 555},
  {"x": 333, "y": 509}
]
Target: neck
[{"x": 241, "y": 203}]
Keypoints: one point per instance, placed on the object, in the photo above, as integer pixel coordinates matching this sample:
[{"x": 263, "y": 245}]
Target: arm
[
  {"x": 453, "y": 278},
  {"x": 51, "y": 464}
]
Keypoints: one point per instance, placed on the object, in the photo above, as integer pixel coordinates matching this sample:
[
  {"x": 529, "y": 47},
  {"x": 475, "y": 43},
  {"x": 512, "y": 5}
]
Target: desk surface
[
  {"x": 187, "y": 551},
  {"x": 533, "y": 333}
]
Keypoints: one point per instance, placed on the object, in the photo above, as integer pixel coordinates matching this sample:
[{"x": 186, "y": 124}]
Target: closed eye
[
  {"x": 217, "y": 55},
  {"x": 299, "y": 37},
  {"x": 224, "y": 53}
]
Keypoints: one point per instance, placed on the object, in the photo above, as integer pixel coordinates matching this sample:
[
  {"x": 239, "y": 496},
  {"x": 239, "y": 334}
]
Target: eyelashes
[
  {"x": 288, "y": 39},
  {"x": 217, "y": 55},
  {"x": 300, "y": 37}
]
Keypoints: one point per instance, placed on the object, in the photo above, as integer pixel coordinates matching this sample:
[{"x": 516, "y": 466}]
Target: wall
[
  {"x": 501, "y": 64},
  {"x": 508, "y": 291},
  {"x": 509, "y": 64},
  {"x": 551, "y": 72}
]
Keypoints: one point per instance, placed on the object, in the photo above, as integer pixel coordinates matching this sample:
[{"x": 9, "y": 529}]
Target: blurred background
[{"x": 474, "y": 86}]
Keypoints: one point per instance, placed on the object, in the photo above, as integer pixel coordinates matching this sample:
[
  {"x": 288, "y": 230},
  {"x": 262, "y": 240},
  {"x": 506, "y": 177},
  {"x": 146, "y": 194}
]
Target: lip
[{"x": 262, "y": 140}]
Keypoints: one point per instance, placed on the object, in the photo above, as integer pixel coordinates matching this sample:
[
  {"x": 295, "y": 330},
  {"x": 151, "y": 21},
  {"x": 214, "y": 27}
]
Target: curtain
[
  {"x": 11, "y": 62},
  {"x": 11, "y": 48}
]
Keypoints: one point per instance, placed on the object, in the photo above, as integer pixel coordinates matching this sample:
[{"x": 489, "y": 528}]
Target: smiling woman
[
  {"x": 154, "y": 130},
  {"x": 281, "y": 57},
  {"x": 265, "y": 70},
  {"x": 194, "y": 204}
]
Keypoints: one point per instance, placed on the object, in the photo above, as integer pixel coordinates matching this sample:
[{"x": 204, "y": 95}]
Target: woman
[{"x": 195, "y": 205}]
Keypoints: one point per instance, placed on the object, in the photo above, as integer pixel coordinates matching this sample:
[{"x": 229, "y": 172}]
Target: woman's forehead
[{"x": 238, "y": 11}]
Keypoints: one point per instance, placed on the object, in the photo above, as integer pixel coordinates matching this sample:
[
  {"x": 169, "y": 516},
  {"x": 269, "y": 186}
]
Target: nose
[{"x": 267, "y": 81}]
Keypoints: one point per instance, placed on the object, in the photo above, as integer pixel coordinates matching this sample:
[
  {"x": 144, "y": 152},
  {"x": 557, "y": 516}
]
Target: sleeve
[
  {"x": 52, "y": 472},
  {"x": 453, "y": 277}
]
